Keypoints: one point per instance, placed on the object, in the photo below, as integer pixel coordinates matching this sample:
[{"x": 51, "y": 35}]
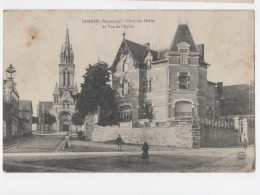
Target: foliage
[
  {"x": 97, "y": 94},
  {"x": 49, "y": 118},
  {"x": 77, "y": 119},
  {"x": 81, "y": 135}
]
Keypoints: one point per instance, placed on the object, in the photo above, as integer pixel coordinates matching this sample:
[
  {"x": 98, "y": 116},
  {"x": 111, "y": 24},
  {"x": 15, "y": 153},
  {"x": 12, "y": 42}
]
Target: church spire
[
  {"x": 67, "y": 39},
  {"x": 67, "y": 56}
]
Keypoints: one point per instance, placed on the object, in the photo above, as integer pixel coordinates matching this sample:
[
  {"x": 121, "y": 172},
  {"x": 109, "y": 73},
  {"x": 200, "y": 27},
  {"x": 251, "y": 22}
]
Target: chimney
[
  {"x": 201, "y": 50},
  {"x": 147, "y": 45}
]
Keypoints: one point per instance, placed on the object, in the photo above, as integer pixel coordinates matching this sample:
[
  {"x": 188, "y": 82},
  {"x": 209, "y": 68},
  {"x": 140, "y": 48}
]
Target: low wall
[
  {"x": 218, "y": 137},
  {"x": 179, "y": 136}
]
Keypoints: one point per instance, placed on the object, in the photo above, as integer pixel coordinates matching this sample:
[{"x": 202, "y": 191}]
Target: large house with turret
[{"x": 164, "y": 84}]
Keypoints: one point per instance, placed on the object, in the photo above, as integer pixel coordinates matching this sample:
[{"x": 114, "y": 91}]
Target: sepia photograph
[{"x": 128, "y": 91}]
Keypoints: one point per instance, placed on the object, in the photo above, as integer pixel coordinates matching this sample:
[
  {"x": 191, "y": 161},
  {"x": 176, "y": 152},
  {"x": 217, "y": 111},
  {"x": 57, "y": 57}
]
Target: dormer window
[
  {"x": 125, "y": 67},
  {"x": 184, "y": 56},
  {"x": 183, "y": 48},
  {"x": 149, "y": 64}
]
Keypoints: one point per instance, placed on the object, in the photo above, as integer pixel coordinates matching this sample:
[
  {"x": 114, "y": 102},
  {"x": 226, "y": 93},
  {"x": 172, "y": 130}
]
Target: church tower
[
  {"x": 65, "y": 91},
  {"x": 66, "y": 66}
]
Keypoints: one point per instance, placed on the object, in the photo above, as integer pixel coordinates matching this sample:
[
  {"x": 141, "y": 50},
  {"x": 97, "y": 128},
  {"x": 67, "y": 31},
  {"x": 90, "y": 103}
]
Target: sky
[{"x": 33, "y": 40}]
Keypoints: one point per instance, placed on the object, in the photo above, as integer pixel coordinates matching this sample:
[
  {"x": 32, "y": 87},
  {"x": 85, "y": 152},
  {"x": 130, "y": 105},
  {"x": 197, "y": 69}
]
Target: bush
[{"x": 81, "y": 135}]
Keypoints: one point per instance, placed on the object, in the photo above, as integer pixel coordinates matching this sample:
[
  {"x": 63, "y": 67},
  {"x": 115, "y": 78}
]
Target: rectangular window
[
  {"x": 125, "y": 67},
  {"x": 144, "y": 86},
  {"x": 184, "y": 56},
  {"x": 125, "y": 88},
  {"x": 183, "y": 80}
]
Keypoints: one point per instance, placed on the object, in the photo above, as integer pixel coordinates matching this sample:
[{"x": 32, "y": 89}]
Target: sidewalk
[{"x": 22, "y": 140}]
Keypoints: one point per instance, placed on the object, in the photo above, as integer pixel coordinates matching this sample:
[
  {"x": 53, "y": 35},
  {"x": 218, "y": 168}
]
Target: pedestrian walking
[
  {"x": 245, "y": 142},
  {"x": 145, "y": 154},
  {"x": 119, "y": 142},
  {"x": 67, "y": 142}
]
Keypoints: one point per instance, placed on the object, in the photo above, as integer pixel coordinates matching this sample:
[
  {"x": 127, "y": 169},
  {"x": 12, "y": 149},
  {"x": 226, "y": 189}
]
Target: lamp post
[
  {"x": 10, "y": 75},
  {"x": 43, "y": 117},
  {"x": 10, "y": 72}
]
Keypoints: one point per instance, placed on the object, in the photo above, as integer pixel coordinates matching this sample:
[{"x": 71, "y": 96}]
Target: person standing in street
[
  {"x": 245, "y": 142},
  {"x": 67, "y": 142},
  {"x": 145, "y": 154},
  {"x": 119, "y": 142}
]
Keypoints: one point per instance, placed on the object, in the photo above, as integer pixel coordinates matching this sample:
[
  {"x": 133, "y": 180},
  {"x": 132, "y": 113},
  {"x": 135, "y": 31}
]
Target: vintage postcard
[
  {"x": 215, "y": 1},
  {"x": 128, "y": 91}
]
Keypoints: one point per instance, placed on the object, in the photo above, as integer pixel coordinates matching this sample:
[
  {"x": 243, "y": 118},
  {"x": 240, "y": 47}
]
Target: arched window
[
  {"x": 68, "y": 78},
  {"x": 125, "y": 113},
  {"x": 64, "y": 78}
]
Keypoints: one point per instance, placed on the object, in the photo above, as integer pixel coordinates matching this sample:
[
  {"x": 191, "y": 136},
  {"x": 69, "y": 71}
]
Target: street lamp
[
  {"x": 43, "y": 117},
  {"x": 10, "y": 72}
]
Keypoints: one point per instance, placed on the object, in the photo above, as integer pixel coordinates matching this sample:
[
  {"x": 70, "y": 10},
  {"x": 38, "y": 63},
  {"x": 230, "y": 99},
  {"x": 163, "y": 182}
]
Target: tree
[
  {"x": 97, "y": 94},
  {"x": 49, "y": 119},
  {"x": 77, "y": 119}
]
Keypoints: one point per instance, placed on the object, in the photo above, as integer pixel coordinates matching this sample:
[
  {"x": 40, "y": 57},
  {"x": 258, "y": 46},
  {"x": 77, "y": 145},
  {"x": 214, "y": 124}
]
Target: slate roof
[
  {"x": 138, "y": 51},
  {"x": 236, "y": 91},
  {"x": 25, "y": 105},
  {"x": 56, "y": 90},
  {"x": 183, "y": 34}
]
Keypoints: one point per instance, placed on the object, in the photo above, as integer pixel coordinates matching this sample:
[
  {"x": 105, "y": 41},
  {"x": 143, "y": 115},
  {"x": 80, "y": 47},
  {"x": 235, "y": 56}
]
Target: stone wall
[
  {"x": 179, "y": 136},
  {"x": 218, "y": 137}
]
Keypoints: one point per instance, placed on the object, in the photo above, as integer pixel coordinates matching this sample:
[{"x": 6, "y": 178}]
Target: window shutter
[
  {"x": 128, "y": 88},
  {"x": 188, "y": 81}
]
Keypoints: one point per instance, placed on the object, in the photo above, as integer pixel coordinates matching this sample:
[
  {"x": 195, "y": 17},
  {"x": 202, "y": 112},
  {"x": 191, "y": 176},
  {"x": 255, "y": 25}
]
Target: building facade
[
  {"x": 66, "y": 91},
  {"x": 10, "y": 108},
  {"x": 43, "y": 107},
  {"x": 25, "y": 115},
  {"x": 163, "y": 84}
]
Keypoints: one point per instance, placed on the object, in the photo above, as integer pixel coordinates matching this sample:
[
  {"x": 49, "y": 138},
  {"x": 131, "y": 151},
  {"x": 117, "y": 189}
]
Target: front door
[{"x": 66, "y": 127}]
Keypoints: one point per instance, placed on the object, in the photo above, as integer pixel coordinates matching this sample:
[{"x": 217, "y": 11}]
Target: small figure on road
[
  {"x": 245, "y": 142},
  {"x": 119, "y": 142},
  {"x": 145, "y": 154},
  {"x": 67, "y": 142}
]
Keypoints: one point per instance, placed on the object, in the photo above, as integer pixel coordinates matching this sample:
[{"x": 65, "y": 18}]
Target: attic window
[
  {"x": 149, "y": 64},
  {"x": 125, "y": 67},
  {"x": 183, "y": 56}
]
